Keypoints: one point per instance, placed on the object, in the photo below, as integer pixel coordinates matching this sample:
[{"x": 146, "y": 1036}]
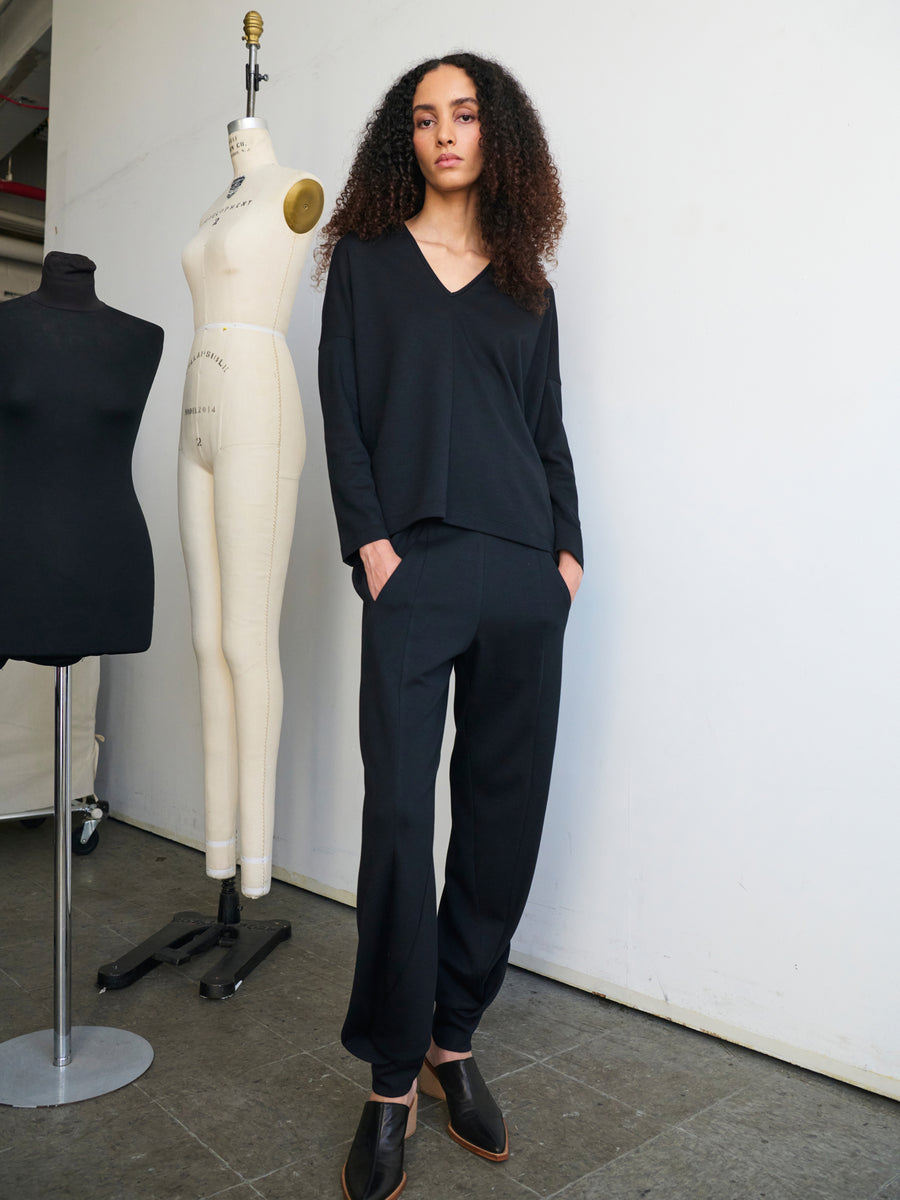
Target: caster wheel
[
  {"x": 88, "y": 847},
  {"x": 33, "y": 822}
]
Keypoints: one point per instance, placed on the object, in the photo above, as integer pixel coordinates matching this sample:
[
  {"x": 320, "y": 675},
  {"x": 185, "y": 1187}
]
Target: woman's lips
[{"x": 447, "y": 160}]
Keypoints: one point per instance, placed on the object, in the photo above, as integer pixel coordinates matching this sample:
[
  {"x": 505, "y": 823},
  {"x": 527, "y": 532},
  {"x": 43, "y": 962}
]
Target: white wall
[{"x": 721, "y": 843}]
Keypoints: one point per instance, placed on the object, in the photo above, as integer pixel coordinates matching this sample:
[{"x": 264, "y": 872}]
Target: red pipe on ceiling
[
  {"x": 24, "y": 104},
  {"x": 22, "y": 189}
]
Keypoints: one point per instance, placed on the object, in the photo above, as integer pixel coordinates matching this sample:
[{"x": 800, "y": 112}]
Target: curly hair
[{"x": 520, "y": 204}]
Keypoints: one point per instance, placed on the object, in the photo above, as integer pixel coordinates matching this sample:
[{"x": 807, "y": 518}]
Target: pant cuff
[
  {"x": 392, "y": 1080},
  {"x": 450, "y": 1034}
]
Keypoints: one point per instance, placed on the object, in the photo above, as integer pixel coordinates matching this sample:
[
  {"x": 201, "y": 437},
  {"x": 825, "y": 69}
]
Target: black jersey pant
[{"x": 494, "y": 612}]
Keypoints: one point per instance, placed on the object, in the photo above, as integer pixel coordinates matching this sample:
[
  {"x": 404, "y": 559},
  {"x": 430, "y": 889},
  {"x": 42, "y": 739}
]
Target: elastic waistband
[{"x": 224, "y": 326}]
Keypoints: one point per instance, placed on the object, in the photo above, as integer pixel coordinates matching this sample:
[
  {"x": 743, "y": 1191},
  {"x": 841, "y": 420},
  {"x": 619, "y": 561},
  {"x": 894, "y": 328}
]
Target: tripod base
[
  {"x": 190, "y": 933},
  {"x": 103, "y": 1060}
]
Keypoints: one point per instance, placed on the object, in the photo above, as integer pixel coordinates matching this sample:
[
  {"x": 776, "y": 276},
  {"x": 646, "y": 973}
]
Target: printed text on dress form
[
  {"x": 220, "y": 212},
  {"x": 212, "y": 356}
]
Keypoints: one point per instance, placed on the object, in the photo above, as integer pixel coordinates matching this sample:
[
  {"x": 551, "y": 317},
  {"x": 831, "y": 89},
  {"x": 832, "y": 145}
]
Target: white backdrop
[{"x": 721, "y": 841}]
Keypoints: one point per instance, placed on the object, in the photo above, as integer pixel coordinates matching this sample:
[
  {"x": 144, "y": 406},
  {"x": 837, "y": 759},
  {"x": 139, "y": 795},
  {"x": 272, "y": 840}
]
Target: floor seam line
[
  {"x": 616, "y": 1158},
  {"x": 200, "y": 1142},
  {"x": 700, "y": 1111},
  {"x": 607, "y": 1095}
]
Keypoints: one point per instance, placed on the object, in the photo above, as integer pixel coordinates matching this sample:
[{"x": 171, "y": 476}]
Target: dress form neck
[
  {"x": 67, "y": 281},
  {"x": 250, "y": 145}
]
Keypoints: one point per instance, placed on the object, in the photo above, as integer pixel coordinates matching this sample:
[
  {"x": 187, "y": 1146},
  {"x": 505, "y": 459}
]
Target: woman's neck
[
  {"x": 451, "y": 219},
  {"x": 67, "y": 281},
  {"x": 250, "y": 149}
]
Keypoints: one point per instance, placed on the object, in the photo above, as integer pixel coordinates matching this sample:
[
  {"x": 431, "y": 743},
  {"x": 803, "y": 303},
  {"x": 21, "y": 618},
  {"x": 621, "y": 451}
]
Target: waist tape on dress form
[{"x": 224, "y": 326}]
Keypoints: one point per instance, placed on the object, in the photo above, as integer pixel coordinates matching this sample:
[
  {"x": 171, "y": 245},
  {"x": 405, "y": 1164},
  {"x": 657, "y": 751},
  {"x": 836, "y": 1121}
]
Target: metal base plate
[{"x": 102, "y": 1061}]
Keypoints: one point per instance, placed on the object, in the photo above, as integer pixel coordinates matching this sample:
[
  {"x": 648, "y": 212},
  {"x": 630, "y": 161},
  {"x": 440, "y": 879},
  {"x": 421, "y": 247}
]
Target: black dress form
[{"x": 76, "y": 568}]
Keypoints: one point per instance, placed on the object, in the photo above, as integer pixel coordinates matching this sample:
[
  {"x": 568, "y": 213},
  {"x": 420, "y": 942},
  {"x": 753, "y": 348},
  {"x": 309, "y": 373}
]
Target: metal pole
[
  {"x": 252, "y": 85},
  {"x": 39, "y": 1069},
  {"x": 62, "y": 892}
]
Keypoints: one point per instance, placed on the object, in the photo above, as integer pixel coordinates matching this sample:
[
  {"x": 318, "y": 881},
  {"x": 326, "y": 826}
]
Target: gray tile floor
[{"x": 255, "y": 1097}]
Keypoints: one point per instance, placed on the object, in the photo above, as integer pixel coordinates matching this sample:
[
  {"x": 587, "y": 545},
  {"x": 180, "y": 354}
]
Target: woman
[{"x": 456, "y": 507}]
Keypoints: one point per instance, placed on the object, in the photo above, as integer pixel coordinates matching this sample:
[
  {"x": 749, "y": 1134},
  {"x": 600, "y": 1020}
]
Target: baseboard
[{"x": 870, "y": 1081}]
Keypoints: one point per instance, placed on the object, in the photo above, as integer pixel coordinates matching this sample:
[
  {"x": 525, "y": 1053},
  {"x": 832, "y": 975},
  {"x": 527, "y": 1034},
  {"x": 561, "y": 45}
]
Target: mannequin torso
[
  {"x": 243, "y": 266},
  {"x": 75, "y": 552},
  {"x": 244, "y": 263}
]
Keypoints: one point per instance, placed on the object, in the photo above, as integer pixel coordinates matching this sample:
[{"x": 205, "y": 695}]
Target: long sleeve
[
  {"x": 359, "y": 515},
  {"x": 551, "y": 442}
]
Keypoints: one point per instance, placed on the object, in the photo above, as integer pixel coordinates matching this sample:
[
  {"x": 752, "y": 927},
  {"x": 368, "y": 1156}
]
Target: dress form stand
[
  {"x": 242, "y": 267},
  {"x": 78, "y": 582},
  {"x": 189, "y": 934},
  {"x": 64, "y": 1064}
]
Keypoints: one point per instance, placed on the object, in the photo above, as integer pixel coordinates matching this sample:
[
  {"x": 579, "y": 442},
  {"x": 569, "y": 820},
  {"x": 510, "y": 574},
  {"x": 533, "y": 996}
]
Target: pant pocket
[
  {"x": 393, "y": 580},
  {"x": 560, "y": 582},
  {"x": 405, "y": 539},
  {"x": 360, "y": 583}
]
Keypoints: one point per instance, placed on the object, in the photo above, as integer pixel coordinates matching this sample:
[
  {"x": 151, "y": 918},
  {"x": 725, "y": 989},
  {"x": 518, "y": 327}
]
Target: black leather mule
[
  {"x": 476, "y": 1121},
  {"x": 374, "y": 1166}
]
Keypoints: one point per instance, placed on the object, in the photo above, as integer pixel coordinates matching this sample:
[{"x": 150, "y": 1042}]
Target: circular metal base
[{"x": 102, "y": 1061}]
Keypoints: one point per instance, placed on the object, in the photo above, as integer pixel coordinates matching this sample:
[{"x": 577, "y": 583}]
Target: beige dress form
[{"x": 241, "y": 452}]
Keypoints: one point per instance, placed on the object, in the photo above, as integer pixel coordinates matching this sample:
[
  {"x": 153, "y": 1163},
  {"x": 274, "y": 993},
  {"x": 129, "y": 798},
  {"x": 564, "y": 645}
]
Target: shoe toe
[{"x": 489, "y": 1138}]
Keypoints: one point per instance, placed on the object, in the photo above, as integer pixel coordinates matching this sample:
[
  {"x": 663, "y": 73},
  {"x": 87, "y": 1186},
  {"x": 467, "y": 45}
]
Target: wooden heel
[
  {"x": 429, "y": 1082},
  {"x": 411, "y": 1119}
]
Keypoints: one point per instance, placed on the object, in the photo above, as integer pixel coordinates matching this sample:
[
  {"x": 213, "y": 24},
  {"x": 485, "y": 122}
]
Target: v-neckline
[{"x": 434, "y": 274}]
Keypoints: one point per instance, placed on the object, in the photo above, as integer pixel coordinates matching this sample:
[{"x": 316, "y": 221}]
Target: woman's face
[{"x": 446, "y": 129}]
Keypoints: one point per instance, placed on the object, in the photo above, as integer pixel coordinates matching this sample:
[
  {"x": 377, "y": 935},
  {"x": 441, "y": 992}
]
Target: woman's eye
[{"x": 467, "y": 118}]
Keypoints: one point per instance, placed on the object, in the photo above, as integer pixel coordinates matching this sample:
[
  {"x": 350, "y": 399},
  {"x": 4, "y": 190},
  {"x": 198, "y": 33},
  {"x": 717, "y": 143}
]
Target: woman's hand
[
  {"x": 380, "y": 561},
  {"x": 571, "y": 571}
]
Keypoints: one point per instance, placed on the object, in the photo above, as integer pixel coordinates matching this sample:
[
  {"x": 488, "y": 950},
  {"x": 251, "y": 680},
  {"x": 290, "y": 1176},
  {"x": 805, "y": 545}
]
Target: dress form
[
  {"x": 77, "y": 581},
  {"x": 77, "y": 568},
  {"x": 240, "y": 456}
]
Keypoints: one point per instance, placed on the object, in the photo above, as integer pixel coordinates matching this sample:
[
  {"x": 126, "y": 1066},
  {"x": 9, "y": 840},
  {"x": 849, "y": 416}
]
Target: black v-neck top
[{"x": 440, "y": 404}]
